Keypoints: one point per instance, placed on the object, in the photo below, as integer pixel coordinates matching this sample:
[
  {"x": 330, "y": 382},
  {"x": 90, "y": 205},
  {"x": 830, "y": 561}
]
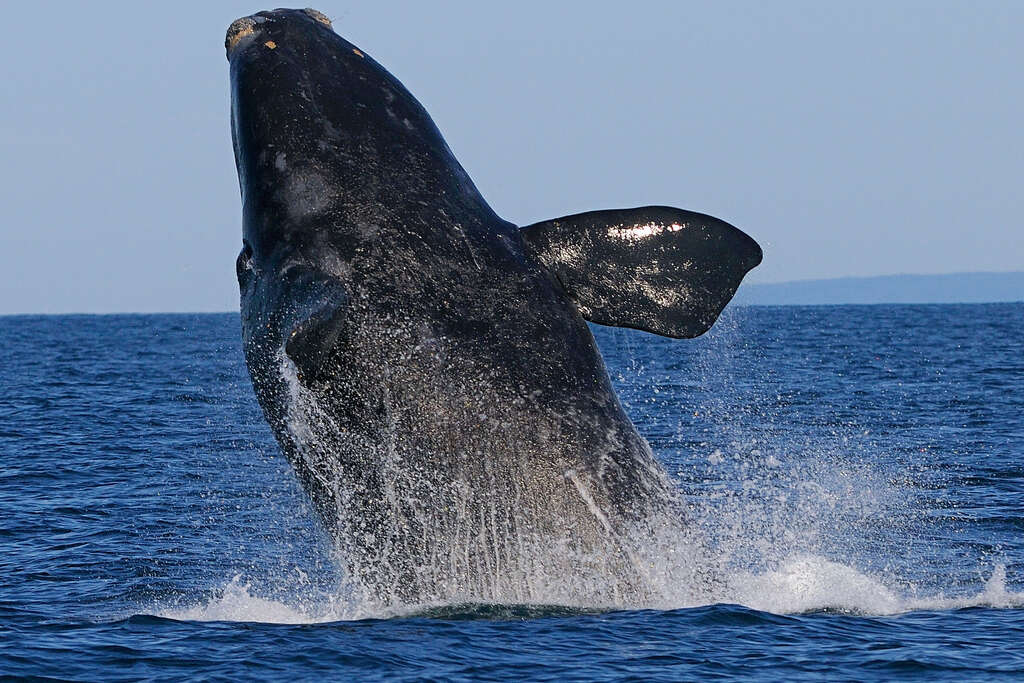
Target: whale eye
[{"x": 243, "y": 264}]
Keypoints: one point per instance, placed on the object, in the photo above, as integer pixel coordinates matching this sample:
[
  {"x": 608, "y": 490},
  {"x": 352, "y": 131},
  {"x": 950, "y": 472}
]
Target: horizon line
[{"x": 737, "y": 302}]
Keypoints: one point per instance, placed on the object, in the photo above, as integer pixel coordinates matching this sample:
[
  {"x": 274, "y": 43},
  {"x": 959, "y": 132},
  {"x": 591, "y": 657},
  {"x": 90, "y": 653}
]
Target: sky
[{"x": 848, "y": 138}]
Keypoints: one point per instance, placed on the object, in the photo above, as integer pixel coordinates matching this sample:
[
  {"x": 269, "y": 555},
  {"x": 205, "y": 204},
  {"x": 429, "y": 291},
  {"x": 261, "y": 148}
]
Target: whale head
[
  {"x": 343, "y": 177},
  {"x": 330, "y": 148}
]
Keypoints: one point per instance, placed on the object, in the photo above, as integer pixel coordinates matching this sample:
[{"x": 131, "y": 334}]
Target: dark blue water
[{"x": 859, "y": 470}]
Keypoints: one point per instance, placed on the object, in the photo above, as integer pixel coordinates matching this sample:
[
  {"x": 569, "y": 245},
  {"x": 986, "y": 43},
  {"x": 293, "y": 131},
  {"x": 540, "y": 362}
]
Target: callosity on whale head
[{"x": 426, "y": 366}]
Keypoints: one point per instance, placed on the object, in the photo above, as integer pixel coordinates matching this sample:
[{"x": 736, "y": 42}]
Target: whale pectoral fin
[
  {"x": 653, "y": 268},
  {"x": 311, "y": 342}
]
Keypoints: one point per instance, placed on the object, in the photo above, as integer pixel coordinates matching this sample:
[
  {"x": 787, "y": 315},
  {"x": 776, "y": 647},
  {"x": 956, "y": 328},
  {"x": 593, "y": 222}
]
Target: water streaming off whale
[{"x": 477, "y": 533}]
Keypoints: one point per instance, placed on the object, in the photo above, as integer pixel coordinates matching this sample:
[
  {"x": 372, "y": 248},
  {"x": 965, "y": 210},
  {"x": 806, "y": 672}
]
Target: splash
[
  {"x": 238, "y": 601},
  {"x": 777, "y": 519},
  {"x": 815, "y": 584},
  {"x": 422, "y": 515},
  {"x": 810, "y": 584},
  {"x": 801, "y": 585}
]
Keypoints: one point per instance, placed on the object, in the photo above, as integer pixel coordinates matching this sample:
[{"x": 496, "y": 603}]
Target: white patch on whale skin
[
  {"x": 337, "y": 266},
  {"x": 666, "y": 297},
  {"x": 638, "y": 232},
  {"x": 305, "y": 192},
  {"x": 589, "y": 500}
]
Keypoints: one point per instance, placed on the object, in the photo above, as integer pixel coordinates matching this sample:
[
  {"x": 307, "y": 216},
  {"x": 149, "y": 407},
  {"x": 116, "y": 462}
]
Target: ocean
[{"x": 858, "y": 471}]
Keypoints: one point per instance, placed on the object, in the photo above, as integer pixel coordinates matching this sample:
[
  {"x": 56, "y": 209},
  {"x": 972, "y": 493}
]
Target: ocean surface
[{"x": 859, "y": 471}]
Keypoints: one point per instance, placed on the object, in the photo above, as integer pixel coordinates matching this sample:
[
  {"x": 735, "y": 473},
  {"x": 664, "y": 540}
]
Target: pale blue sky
[{"x": 848, "y": 138}]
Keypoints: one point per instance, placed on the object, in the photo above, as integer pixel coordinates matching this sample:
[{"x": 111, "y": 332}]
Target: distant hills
[{"x": 889, "y": 289}]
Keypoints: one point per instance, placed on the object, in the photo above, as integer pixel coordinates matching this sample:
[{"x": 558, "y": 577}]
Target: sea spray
[{"x": 415, "y": 530}]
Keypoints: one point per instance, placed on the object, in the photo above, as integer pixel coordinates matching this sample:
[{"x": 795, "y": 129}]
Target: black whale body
[{"x": 424, "y": 364}]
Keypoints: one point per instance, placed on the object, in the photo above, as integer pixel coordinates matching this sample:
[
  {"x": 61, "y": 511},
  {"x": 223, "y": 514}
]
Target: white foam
[
  {"x": 236, "y": 602},
  {"x": 813, "y": 584},
  {"x": 802, "y": 584},
  {"x": 994, "y": 594},
  {"x": 808, "y": 583}
]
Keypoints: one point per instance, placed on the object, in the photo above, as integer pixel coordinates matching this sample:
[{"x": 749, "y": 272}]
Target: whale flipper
[{"x": 652, "y": 268}]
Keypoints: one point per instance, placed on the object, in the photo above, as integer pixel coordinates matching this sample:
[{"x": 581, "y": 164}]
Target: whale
[{"x": 427, "y": 367}]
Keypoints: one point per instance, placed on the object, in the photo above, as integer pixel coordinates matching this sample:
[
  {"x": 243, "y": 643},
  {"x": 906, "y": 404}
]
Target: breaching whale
[{"x": 425, "y": 365}]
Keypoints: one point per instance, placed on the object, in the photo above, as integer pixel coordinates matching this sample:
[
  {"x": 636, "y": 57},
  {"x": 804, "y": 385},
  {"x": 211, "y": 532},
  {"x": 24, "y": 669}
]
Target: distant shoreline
[{"x": 952, "y": 288}]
